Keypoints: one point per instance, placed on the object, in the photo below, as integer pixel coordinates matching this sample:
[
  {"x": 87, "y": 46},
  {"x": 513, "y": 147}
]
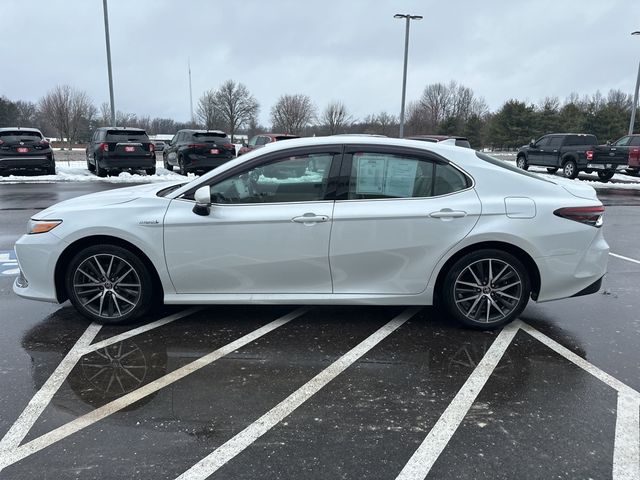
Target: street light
[
  {"x": 408, "y": 19},
  {"x": 106, "y": 35},
  {"x": 635, "y": 97}
]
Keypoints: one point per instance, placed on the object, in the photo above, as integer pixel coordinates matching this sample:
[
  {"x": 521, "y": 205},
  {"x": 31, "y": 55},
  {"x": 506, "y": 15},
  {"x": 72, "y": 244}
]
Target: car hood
[{"x": 102, "y": 199}]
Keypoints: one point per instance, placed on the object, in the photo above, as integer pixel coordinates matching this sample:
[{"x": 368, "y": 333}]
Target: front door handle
[
  {"x": 448, "y": 213},
  {"x": 310, "y": 219}
]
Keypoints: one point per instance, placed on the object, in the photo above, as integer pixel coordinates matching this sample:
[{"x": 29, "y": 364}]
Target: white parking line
[
  {"x": 41, "y": 399},
  {"x": 208, "y": 465},
  {"x": 423, "y": 459},
  {"x": 626, "y": 451},
  {"x": 12, "y": 456},
  {"x": 621, "y": 257}
]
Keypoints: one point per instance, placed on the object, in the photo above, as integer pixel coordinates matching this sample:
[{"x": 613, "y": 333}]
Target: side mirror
[
  {"x": 532, "y": 143},
  {"x": 609, "y": 142},
  {"x": 203, "y": 201}
]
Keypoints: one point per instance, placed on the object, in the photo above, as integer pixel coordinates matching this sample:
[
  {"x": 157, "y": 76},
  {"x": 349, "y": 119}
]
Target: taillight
[
  {"x": 587, "y": 215},
  {"x": 152, "y": 147},
  {"x": 589, "y": 154},
  {"x": 1, "y": 142},
  {"x": 104, "y": 147},
  {"x": 44, "y": 143}
]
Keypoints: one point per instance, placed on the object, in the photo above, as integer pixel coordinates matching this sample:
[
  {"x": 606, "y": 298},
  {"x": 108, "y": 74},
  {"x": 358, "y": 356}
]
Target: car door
[
  {"x": 267, "y": 231},
  {"x": 536, "y": 153},
  {"x": 400, "y": 213},
  {"x": 551, "y": 155}
]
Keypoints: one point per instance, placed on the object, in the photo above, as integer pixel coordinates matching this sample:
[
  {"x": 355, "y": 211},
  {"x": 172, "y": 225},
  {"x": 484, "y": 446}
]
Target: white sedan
[{"x": 338, "y": 220}]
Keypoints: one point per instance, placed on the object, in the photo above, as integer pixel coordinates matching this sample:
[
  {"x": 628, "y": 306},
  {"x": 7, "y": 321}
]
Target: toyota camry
[{"x": 333, "y": 220}]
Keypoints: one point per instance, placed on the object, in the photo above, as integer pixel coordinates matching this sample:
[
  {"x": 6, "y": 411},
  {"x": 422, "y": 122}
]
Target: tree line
[{"x": 446, "y": 109}]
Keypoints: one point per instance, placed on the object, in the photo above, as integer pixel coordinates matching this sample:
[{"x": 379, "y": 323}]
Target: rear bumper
[
  {"x": 113, "y": 162},
  {"x": 606, "y": 166},
  {"x": 202, "y": 162},
  {"x": 18, "y": 163}
]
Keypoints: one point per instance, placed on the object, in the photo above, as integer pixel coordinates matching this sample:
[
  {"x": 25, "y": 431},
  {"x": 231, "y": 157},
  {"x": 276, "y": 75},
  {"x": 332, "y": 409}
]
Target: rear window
[
  {"x": 462, "y": 143},
  {"x": 20, "y": 136},
  {"x": 127, "y": 136},
  {"x": 508, "y": 166},
  {"x": 210, "y": 137},
  {"x": 282, "y": 137},
  {"x": 581, "y": 140}
]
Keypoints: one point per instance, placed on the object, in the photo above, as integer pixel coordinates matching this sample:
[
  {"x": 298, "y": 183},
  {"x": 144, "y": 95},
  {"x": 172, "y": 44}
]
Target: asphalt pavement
[{"x": 286, "y": 392}]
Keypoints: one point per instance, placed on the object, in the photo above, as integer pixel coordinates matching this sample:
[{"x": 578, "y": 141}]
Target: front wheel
[
  {"x": 570, "y": 169},
  {"x": 486, "y": 289},
  {"x": 521, "y": 162},
  {"x": 606, "y": 175},
  {"x": 108, "y": 284}
]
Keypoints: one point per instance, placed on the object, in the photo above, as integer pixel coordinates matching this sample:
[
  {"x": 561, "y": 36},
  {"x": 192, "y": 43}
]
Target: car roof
[
  {"x": 22, "y": 129},
  {"x": 436, "y": 137},
  {"x": 197, "y": 130}
]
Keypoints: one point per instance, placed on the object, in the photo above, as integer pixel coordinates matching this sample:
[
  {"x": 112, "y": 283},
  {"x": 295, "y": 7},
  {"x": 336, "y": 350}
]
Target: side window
[
  {"x": 635, "y": 141},
  {"x": 382, "y": 175},
  {"x": 543, "y": 142},
  {"x": 253, "y": 140},
  {"x": 624, "y": 141},
  {"x": 555, "y": 142},
  {"x": 261, "y": 140},
  {"x": 301, "y": 178},
  {"x": 448, "y": 180}
]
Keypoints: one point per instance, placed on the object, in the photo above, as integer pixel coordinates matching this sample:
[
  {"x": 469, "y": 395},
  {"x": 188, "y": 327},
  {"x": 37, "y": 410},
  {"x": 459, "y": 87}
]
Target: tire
[
  {"x": 150, "y": 171},
  {"x": 486, "y": 305},
  {"x": 101, "y": 172},
  {"x": 51, "y": 170},
  {"x": 166, "y": 164},
  {"x": 108, "y": 284},
  {"x": 521, "y": 162},
  {"x": 552, "y": 170},
  {"x": 606, "y": 175},
  {"x": 570, "y": 169},
  {"x": 91, "y": 168},
  {"x": 183, "y": 170}
]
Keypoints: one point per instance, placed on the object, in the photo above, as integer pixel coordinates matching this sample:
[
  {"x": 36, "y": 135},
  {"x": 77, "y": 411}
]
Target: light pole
[
  {"x": 635, "y": 97},
  {"x": 408, "y": 19},
  {"x": 106, "y": 34}
]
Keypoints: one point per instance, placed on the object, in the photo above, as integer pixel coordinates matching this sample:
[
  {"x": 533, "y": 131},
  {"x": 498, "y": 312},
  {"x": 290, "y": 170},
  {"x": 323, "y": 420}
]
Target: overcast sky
[{"x": 348, "y": 50}]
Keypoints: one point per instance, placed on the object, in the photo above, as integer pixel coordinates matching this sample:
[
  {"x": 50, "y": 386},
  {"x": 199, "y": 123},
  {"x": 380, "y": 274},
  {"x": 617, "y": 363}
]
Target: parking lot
[{"x": 321, "y": 392}]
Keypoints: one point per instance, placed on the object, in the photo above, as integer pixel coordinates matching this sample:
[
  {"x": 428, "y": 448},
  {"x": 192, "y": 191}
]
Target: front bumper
[{"x": 37, "y": 256}]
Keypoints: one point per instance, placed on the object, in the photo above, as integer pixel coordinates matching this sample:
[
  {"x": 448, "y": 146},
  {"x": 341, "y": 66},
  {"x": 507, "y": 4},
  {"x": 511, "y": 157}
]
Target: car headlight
[{"x": 42, "y": 226}]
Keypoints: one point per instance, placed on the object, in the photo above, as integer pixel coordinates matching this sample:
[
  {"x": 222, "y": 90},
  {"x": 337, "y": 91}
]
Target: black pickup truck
[{"x": 573, "y": 153}]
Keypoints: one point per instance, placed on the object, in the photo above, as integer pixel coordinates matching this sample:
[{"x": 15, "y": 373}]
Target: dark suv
[
  {"x": 25, "y": 149},
  {"x": 113, "y": 149},
  {"x": 198, "y": 150}
]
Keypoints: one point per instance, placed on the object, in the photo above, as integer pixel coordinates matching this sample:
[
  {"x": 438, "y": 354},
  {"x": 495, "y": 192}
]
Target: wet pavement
[{"x": 321, "y": 392}]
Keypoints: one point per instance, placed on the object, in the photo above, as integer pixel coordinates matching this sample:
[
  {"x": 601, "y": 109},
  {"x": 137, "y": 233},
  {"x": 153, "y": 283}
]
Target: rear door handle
[
  {"x": 310, "y": 218},
  {"x": 448, "y": 213}
]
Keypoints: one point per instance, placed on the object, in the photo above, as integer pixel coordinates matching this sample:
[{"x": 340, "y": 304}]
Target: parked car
[
  {"x": 374, "y": 221},
  {"x": 159, "y": 145},
  {"x": 263, "y": 139},
  {"x": 114, "y": 149},
  {"x": 629, "y": 145},
  {"x": 25, "y": 149},
  {"x": 459, "y": 141},
  {"x": 198, "y": 151},
  {"x": 573, "y": 153}
]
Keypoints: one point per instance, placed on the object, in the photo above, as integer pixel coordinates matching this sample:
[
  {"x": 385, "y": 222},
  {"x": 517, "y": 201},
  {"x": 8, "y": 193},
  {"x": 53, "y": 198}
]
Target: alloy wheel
[
  {"x": 107, "y": 286},
  {"x": 488, "y": 290}
]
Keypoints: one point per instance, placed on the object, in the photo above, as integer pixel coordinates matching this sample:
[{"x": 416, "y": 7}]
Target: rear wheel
[
  {"x": 101, "y": 172},
  {"x": 166, "y": 164},
  {"x": 552, "y": 170},
  {"x": 569, "y": 169},
  {"x": 91, "y": 168},
  {"x": 151, "y": 171},
  {"x": 183, "y": 170},
  {"x": 51, "y": 170},
  {"x": 486, "y": 289},
  {"x": 108, "y": 284},
  {"x": 521, "y": 162},
  {"x": 606, "y": 175}
]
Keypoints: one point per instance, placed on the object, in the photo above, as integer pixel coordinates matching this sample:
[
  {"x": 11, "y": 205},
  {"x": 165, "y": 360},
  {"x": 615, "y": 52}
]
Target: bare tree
[
  {"x": 292, "y": 113},
  {"x": 206, "y": 111},
  {"x": 69, "y": 111},
  {"x": 235, "y": 106},
  {"x": 336, "y": 118}
]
